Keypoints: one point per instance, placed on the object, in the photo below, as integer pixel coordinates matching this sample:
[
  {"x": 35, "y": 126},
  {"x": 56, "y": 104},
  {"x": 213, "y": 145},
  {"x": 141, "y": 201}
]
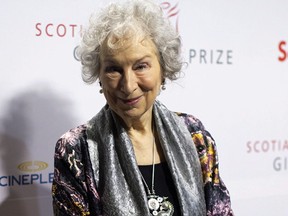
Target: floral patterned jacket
[{"x": 74, "y": 190}]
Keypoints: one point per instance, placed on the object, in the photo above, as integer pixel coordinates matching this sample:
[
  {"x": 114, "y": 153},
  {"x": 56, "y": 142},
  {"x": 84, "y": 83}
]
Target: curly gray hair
[{"x": 125, "y": 20}]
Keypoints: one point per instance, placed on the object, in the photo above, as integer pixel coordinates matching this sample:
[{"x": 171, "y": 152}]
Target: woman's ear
[{"x": 163, "y": 87}]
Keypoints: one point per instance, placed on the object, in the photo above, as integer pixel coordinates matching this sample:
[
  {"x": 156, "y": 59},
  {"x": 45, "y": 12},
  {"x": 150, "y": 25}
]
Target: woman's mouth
[{"x": 131, "y": 101}]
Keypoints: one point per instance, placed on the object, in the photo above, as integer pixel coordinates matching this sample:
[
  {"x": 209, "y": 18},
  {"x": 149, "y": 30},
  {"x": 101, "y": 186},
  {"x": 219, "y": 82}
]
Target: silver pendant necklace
[{"x": 158, "y": 205}]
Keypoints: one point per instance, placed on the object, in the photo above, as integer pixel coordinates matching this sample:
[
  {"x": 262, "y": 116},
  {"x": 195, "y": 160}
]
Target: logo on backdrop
[
  {"x": 57, "y": 30},
  {"x": 171, "y": 11},
  {"x": 198, "y": 56},
  {"x": 211, "y": 56},
  {"x": 283, "y": 51},
  {"x": 271, "y": 147},
  {"x": 32, "y": 166},
  {"x": 31, "y": 173}
]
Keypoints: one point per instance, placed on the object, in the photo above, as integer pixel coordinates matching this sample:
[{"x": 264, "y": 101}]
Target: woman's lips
[{"x": 131, "y": 101}]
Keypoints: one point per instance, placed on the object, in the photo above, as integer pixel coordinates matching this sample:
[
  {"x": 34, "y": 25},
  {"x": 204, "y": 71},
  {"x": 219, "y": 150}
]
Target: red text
[
  {"x": 57, "y": 30},
  {"x": 264, "y": 146},
  {"x": 284, "y": 53}
]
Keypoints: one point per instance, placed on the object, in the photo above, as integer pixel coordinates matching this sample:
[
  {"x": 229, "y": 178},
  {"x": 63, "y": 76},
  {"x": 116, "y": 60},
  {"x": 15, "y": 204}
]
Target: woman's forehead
[{"x": 115, "y": 46}]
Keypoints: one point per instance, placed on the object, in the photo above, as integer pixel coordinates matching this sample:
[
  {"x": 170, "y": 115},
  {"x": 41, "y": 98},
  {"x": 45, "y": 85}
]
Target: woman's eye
[
  {"x": 141, "y": 66},
  {"x": 111, "y": 69}
]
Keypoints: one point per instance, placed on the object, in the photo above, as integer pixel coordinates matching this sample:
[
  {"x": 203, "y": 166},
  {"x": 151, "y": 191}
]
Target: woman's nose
[{"x": 128, "y": 82}]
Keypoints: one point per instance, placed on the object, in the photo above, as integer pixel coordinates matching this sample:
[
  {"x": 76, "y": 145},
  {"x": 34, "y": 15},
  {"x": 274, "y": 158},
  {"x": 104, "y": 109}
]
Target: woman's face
[{"x": 131, "y": 78}]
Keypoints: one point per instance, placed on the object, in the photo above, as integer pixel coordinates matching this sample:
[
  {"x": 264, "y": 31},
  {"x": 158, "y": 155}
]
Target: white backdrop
[{"x": 237, "y": 73}]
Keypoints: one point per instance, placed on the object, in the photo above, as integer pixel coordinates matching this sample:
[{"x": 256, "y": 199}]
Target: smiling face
[{"x": 131, "y": 78}]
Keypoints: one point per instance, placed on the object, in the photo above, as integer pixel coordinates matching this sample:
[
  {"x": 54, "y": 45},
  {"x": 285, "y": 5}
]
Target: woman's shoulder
[
  {"x": 71, "y": 140},
  {"x": 201, "y": 137},
  {"x": 73, "y": 135},
  {"x": 192, "y": 123}
]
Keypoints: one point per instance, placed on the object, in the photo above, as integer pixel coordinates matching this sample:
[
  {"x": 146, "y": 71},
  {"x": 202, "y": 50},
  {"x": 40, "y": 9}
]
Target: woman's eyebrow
[
  {"x": 133, "y": 60},
  {"x": 146, "y": 56},
  {"x": 109, "y": 61}
]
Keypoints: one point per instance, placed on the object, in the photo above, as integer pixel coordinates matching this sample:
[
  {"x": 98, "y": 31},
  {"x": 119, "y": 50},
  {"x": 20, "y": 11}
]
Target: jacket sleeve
[
  {"x": 71, "y": 184},
  {"x": 216, "y": 194}
]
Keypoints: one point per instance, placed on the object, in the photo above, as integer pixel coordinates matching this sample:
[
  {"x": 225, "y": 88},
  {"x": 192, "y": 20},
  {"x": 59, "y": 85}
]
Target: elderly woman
[{"x": 135, "y": 157}]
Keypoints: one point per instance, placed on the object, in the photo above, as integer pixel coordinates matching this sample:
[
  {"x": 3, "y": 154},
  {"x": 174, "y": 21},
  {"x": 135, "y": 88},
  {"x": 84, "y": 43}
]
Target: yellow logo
[{"x": 32, "y": 166}]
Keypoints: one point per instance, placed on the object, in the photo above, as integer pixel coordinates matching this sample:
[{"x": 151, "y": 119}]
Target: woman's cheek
[{"x": 111, "y": 83}]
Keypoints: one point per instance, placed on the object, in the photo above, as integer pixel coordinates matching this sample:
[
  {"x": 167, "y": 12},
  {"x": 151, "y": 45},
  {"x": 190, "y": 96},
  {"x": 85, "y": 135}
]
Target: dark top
[{"x": 163, "y": 183}]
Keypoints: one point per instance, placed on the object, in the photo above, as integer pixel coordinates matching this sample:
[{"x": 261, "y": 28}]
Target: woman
[{"x": 135, "y": 157}]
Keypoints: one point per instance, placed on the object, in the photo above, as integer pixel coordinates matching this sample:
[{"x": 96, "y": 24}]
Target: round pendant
[
  {"x": 153, "y": 204},
  {"x": 160, "y": 205}
]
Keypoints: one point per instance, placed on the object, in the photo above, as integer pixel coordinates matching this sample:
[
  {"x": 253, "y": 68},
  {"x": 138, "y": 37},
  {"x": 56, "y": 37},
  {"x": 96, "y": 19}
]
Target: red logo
[
  {"x": 171, "y": 11},
  {"x": 283, "y": 51}
]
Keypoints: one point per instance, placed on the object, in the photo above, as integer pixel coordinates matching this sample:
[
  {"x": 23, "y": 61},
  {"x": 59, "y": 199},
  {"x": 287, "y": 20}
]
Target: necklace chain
[
  {"x": 153, "y": 169},
  {"x": 157, "y": 205}
]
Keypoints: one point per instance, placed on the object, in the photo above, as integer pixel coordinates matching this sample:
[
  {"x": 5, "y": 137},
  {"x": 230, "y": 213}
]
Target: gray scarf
[{"x": 116, "y": 172}]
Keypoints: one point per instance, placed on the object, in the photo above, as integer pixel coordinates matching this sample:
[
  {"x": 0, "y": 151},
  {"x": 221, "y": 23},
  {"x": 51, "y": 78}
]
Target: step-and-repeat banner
[{"x": 235, "y": 81}]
